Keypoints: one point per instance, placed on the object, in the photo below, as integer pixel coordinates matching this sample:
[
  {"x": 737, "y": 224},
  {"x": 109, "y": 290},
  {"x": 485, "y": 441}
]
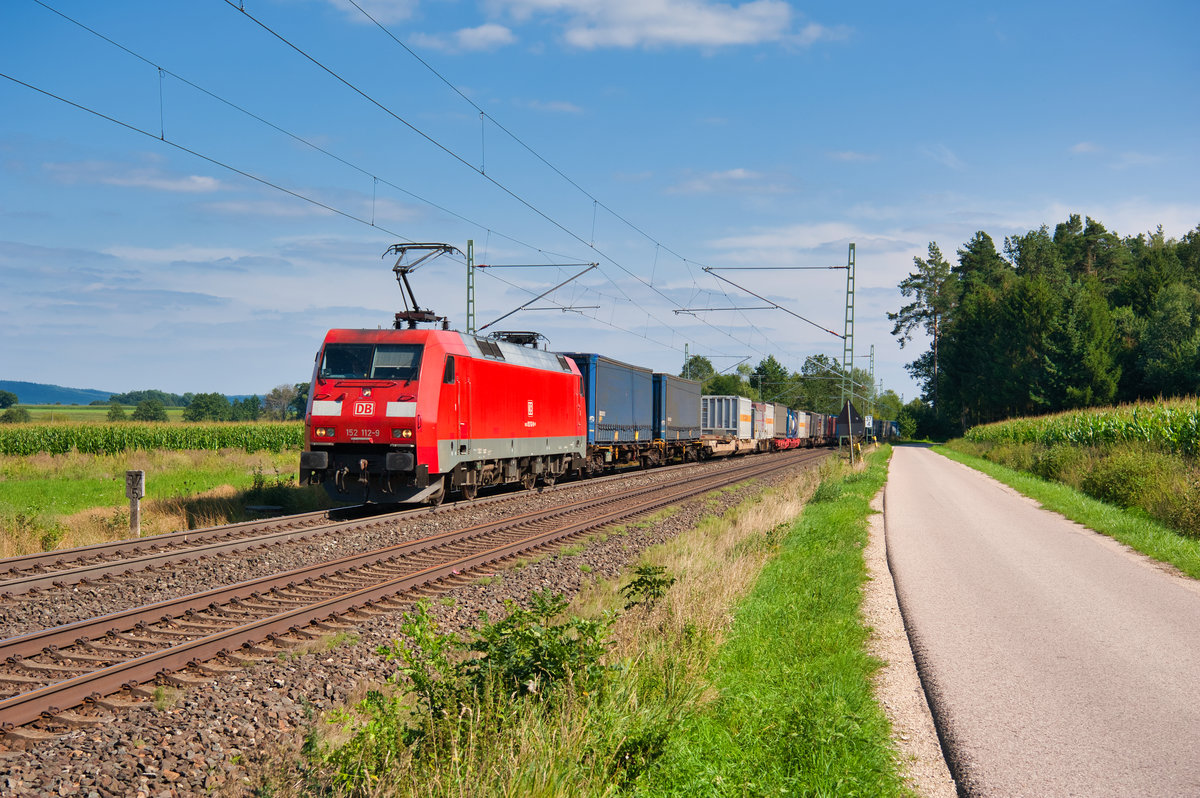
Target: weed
[
  {"x": 448, "y": 692},
  {"x": 166, "y": 697},
  {"x": 647, "y": 587}
]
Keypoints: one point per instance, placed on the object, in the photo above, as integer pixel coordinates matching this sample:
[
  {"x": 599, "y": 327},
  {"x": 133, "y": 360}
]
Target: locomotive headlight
[
  {"x": 402, "y": 433},
  {"x": 324, "y": 432}
]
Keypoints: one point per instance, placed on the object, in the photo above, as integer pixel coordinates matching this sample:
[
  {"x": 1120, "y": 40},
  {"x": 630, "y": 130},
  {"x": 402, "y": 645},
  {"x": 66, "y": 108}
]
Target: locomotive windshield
[{"x": 371, "y": 362}]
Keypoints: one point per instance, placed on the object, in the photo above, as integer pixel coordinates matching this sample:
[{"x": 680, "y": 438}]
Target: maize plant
[
  {"x": 26, "y": 439},
  {"x": 1171, "y": 426}
]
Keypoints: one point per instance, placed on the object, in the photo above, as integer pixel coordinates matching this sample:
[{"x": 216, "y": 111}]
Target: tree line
[
  {"x": 281, "y": 403},
  {"x": 1073, "y": 318},
  {"x": 817, "y": 387}
]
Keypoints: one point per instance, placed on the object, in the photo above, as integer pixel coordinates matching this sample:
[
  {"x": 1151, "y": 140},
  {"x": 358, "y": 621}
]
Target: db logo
[{"x": 364, "y": 408}]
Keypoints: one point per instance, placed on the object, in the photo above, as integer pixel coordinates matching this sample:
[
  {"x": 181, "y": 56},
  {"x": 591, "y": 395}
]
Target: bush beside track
[{"x": 27, "y": 439}]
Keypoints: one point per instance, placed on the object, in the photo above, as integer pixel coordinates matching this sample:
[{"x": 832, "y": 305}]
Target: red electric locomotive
[{"x": 405, "y": 415}]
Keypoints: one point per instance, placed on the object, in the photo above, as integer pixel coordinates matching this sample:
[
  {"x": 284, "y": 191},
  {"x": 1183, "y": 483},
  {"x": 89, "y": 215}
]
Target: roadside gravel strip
[
  {"x": 897, "y": 685},
  {"x": 1057, "y": 661}
]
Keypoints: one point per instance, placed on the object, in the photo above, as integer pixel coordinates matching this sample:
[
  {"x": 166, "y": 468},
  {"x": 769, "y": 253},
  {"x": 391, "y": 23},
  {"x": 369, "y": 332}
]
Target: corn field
[
  {"x": 1171, "y": 426},
  {"x": 26, "y": 439}
]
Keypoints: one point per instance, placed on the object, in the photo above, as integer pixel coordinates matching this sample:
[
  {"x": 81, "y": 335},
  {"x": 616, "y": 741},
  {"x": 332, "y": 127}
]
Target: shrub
[
  {"x": 647, "y": 587},
  {"x": 442, "y": 697},
  {"x": 14, "y": 415},
  {"x": 1062, "y": 462}
]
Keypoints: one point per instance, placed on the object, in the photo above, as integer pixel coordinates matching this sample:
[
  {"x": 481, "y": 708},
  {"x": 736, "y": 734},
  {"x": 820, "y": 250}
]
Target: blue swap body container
[
  {"x": 619, "y": 399},
  {"x": 676, "y": 408}
]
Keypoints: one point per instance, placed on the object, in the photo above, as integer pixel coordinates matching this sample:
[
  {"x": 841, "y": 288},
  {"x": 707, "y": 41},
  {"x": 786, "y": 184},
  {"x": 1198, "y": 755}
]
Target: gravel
[{"x": 200, "y": 740}]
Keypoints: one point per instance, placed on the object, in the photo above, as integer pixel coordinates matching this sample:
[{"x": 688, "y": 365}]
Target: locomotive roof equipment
[{"x": 409, "y": 258}]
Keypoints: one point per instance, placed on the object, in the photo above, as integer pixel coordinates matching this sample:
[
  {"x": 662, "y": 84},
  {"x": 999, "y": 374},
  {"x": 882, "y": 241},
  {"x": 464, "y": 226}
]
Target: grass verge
[
  {"x": 795, "y": 714},
  {"x": 1130, "y": 527},
  {"x": 739, "y": 670},
  {"x": 61, "y": 501}
]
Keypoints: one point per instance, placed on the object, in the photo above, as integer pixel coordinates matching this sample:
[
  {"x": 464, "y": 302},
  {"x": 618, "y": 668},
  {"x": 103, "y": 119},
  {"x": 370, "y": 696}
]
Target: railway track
[
  {"x": 187, "y": 638},
  {"x": 115, "y": 559}
]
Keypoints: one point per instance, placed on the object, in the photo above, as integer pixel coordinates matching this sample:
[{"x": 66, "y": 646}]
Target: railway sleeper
[
  {"x": 185, "y": 679},
  {"x": 73, "y": 720}
]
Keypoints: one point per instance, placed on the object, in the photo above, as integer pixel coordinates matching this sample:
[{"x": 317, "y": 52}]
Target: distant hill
[
  {"x": 39, "y": 393},
  {"x": 36, "y": 393}
]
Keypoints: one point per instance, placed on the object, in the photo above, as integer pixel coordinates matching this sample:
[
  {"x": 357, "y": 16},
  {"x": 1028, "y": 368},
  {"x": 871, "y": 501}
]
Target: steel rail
[
  {"x": 46, "y": 570},
  {"x": 36, "y": 703},
  {"x": 64, "y": 557},
  {"x": 60, "y": 636}
]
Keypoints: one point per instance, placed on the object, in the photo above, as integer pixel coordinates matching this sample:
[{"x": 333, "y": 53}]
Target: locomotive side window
[
  {"x": 371, "y": 362},
  {"x": 448, "y": 376}
]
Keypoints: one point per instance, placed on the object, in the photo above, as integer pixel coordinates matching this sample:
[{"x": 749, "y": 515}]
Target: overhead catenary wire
[
  {"x": 596, "y": 202},
  {"x": 372, "y": 222},
  {"x": 502, "y": 187},
  {"x": 163, "y": 71}
]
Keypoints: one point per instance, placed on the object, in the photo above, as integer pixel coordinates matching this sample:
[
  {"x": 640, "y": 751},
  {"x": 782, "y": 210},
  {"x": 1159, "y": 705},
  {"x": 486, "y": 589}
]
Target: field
[
  {"x": 76, "y": 498},
  {"x": 97, "y": 414},
  {"x": 1170, "y": 426},
  {"x": 113, "y": 438},
  {"x": 1142, "y": 457}
]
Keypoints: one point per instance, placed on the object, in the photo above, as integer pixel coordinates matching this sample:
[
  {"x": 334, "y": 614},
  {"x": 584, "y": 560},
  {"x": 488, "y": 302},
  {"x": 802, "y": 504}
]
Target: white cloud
[
  {"x": 384, "y": 11},
  {"x": 1130, "y": 160},
  {"x": 731, "y": 181},
  {"x": 1086, "y": 148},
  {"x": 483, "y": 38},
  {"x": 126, "y": 176},
  {"x": 182, "y": 252},
  {"x": 653, "y": 23}
]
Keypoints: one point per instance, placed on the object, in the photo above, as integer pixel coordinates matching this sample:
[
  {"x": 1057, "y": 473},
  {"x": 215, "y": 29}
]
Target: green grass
[
  {"x": 795, "y": 714},
  {"x": 1127, "y": 526},
  {"x": 95, "y": 414},
  {"x": 57, "y": 496}
]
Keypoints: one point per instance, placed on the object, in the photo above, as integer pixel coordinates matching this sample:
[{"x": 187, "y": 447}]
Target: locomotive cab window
[
  {"x": 448, "y": 376},
  {"x": 371, "y": 362}
]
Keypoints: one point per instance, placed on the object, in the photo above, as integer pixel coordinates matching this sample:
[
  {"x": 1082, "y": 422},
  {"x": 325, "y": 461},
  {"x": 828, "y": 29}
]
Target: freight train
[{"x": 410, "y": 415}]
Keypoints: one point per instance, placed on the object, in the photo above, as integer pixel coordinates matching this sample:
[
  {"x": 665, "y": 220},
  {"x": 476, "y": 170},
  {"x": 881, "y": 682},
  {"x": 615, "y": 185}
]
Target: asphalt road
[{"x": 1057, "y": 662}]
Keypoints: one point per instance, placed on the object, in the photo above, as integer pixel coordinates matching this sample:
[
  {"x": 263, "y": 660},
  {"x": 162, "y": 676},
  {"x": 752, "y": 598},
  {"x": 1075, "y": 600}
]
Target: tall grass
[
  {"x": 61, "y": 501},
  {"x": 691, "y": 662}
]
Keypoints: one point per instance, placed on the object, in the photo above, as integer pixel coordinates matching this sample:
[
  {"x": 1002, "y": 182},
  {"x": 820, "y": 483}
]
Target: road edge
[{"x": 897, "y": 686}]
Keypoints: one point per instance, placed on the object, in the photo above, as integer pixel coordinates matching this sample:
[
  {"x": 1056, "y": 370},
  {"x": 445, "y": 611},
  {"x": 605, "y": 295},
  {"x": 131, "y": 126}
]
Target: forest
[{"x": 1078, "y": 317}]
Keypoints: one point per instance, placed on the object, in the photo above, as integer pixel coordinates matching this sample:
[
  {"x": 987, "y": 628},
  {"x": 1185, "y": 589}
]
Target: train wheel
[
  {"x": 469, "y": 492},
  {"x": 529, "y": 480},
  {"x": 437, "y": 496},
  {"x": 549, "y": 479}
]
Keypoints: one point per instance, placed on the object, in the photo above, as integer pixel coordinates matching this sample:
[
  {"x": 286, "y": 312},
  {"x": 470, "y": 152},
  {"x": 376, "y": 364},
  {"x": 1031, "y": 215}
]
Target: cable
[
  {"x": 375, "y": 179},
  {"x": 489, "y": 178},
  {"x": 202, "y": 156},
  {"x": 596, "y": 203}
]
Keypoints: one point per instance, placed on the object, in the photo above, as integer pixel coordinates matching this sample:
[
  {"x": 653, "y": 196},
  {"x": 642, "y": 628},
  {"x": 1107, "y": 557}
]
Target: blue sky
[{"x": 197, "y": 239}]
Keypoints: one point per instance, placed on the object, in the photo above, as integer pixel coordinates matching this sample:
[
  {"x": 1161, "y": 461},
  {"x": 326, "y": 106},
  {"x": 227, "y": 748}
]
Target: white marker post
[{"x": 135, "y": 489}]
